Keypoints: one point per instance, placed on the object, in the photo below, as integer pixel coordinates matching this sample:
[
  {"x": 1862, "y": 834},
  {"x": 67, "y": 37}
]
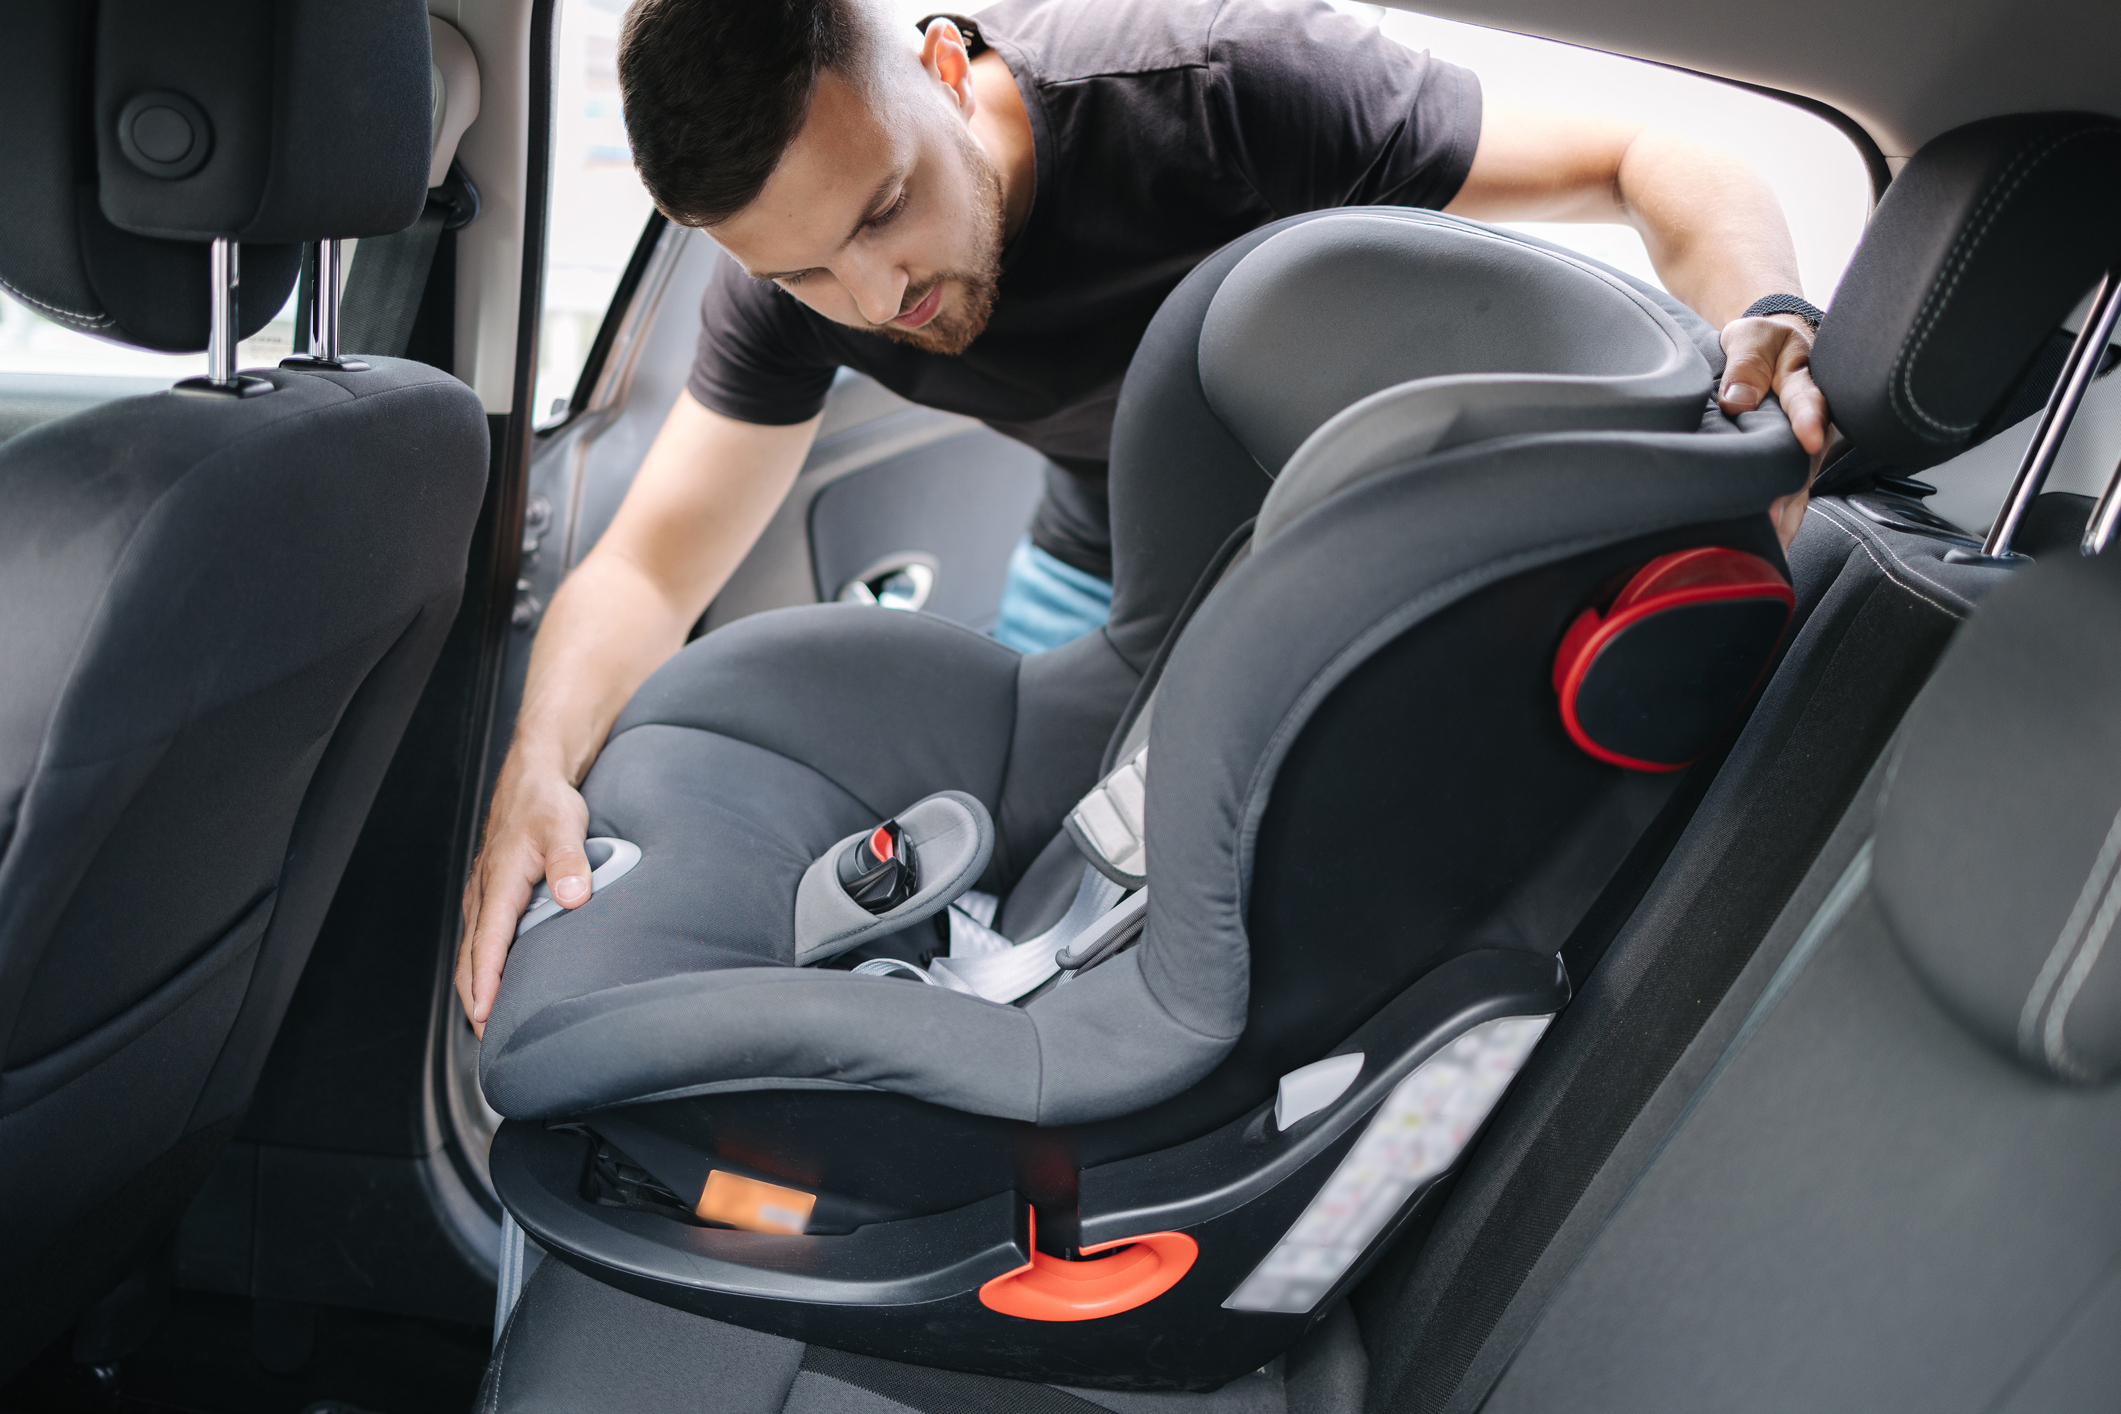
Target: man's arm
[
  {"x": 702, "y": 496},
  {"x": 1711, "y": 223}
]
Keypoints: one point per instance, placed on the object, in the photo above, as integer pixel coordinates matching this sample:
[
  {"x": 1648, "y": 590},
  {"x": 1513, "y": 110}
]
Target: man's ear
[{"x": 943, "y": 56}]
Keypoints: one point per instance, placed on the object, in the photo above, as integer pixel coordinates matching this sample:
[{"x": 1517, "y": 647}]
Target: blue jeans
[{"x": 1046, "y": 603}]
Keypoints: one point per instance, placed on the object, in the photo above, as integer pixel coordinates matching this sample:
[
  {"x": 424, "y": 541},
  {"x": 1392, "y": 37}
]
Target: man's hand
[
  {"x": 534, "y": 832},
  {"x": 705, "y": 491},
  {"x": 1774, "y": 355}
]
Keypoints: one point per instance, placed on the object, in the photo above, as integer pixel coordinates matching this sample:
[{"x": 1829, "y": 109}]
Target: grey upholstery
[
  {"x": 857, "y": 712},
  {"x": 574, "y": 1343},
  {"x": 219, "y": 614},
  {"x": 1854, "y": 1193}
]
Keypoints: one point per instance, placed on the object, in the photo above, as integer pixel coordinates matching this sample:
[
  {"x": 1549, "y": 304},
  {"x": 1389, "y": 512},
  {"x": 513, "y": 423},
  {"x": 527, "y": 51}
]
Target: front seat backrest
[{"x": 216, "y": 610}]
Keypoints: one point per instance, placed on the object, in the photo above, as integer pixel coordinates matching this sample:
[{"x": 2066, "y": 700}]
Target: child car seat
[{"x": 1365, "y": 831}]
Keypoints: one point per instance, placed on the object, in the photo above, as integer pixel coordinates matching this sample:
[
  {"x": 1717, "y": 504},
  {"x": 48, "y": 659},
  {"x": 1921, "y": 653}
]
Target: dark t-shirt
[{"x": 1164, "y": 129}]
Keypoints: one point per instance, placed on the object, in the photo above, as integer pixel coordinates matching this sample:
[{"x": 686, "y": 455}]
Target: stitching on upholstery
[
  {"x": 2058, "y": 1053},
  {"x": 2097, "y": 883},
  {"x": 53, "y": 311},
  {"x": 491, "y": 1404},
  {"x": 1866, "y": 543},
  {"x": 1900, "y": 382}
]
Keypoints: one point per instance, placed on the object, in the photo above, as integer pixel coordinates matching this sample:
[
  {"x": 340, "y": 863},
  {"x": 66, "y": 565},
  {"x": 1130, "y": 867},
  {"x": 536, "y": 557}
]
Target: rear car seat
[
  {"x": 1878, "y": 603},
  {"x": 220, "y": 602}
]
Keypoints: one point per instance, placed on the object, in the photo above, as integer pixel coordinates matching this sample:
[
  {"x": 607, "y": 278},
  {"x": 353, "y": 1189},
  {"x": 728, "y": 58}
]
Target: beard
[{"x": 955, "y": 326}]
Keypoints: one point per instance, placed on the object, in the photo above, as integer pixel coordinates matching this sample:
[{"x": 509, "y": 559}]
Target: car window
[
  {"x": 1817, "y": 173},
  {"x": 598, "y": 204},
  {"x": 30, "y": 343}
]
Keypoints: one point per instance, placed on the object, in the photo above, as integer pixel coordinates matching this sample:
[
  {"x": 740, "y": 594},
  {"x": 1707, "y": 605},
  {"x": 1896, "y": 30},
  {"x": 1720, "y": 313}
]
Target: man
[{"x": 986, "y": 224}]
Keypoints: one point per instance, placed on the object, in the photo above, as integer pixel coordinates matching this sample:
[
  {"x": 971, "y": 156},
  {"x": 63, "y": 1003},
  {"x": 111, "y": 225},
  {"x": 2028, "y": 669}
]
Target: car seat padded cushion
[
  {"x": 1397, "y": 548},
  {"x": 951, "y": 839},
  {"x": 1999, "y": 839},
  {"x": 1465, "y": 301},
  {"x": 1977, "y": 251}
]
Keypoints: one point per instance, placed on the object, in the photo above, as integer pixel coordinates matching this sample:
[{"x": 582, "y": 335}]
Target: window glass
[
  {"x": 1816, "y": 172},
  {"x": 30, "y": 343},
  {"x": 598, "y": 203}
]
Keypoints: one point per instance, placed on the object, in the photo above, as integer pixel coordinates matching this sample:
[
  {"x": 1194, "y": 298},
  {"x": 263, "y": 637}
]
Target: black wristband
[{"x": 1786, "y": 304}]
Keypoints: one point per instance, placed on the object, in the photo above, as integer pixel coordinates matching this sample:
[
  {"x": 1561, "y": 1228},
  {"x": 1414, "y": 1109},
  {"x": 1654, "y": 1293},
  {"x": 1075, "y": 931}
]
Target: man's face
[{"x": 885, "y": 222}]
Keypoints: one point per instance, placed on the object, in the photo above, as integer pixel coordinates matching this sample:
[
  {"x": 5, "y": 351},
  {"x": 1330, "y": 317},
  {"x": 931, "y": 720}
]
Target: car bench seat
[
  {"x": 1367, "y": 832},
  {"x": 218, "y": 603}
]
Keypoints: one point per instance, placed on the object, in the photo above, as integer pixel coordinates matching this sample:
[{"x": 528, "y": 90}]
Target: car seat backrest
[
  {"x": 1998, "y": 855},
  {"x": 1976, "y": 253},
  {"x": 1329, "y": 327},
  {"x": 223, "y": 600}
]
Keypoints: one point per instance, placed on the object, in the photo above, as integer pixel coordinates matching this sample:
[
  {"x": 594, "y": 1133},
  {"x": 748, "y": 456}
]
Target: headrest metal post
[
  {"x": 322, "y": 266},
  {"x": 2099, "y": 530},
  {"x": 223, "y": 279},
  {"x": 324, "y": 301},
  {"x": 2076, "y": 376}
]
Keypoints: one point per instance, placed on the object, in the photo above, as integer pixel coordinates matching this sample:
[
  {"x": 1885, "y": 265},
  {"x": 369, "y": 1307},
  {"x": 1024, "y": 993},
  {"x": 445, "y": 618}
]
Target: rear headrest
[
  {"x": 1998, "y": 854},
  {"x": 138, "y": 130},
  {"x": 1981, "y": 247}
]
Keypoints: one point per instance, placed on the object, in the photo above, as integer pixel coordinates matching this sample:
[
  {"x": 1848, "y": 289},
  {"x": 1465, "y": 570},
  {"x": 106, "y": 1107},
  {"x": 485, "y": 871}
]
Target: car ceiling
[{"x": 1906, "y": 70}]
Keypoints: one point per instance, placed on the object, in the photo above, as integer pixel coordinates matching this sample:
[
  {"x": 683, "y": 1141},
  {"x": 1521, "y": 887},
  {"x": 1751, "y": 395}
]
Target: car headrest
[
  {"x": 1997, "y": 861},
  {"x": 1980, "y": 248},
  {"x": 140, "y": 130}
]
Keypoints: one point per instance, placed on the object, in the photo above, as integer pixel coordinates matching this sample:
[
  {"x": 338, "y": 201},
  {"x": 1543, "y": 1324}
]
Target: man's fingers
[
  {"x": 1802, "y": 402},
  {"x": 1748, "y": 374},
  {"x": 505, "y": 896},
  {"x": 567, "y": 872}
]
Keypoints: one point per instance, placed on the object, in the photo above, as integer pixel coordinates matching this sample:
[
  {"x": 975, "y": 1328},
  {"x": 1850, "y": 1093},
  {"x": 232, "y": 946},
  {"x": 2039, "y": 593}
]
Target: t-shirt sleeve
[
  {"x": 1325, "y": 111},
  {"x": 757, "y": 360}
]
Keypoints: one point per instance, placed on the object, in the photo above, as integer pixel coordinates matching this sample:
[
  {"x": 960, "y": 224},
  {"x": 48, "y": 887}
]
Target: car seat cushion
[{"x": 1999, "y": 841}]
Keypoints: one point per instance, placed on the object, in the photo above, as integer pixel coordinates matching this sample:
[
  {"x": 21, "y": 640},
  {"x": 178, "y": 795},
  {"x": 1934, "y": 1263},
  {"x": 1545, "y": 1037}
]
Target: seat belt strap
[
  {"x": 384, "y": 287},
  {"x": 1107, "y": 824}
]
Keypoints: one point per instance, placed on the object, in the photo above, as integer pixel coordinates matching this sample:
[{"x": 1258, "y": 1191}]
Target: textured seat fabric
[
  {"x": 574, "y": 1343},
  {"x": 1859, "y": 1190},
  {"x": 218, "y": 614}
]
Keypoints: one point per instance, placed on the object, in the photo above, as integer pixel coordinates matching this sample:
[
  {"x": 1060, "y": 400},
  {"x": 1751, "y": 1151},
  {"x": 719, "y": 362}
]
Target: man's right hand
[{"x": 533, "y": 832}]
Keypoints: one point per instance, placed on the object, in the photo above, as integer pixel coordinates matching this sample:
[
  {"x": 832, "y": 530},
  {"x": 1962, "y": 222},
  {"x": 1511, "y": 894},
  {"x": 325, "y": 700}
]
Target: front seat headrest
[
  {"x": 140, "y": 130},
  {"x": 1980, "y": 248}
]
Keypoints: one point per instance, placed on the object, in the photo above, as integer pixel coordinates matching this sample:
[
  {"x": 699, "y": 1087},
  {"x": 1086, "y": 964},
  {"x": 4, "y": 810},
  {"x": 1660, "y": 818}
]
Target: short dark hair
[{"x": 715, "y": 90}]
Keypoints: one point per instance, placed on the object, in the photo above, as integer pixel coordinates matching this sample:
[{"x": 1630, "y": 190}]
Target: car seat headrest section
[
  {"x": 1651, "y": 682},
  {"x": 914, "y": 865},
  {"x": 1980, "y": 248},
  {"x": 1364, "y": 300},
  {"x": 1997, "y": 861},
  {"x": 265, "y": 120}
]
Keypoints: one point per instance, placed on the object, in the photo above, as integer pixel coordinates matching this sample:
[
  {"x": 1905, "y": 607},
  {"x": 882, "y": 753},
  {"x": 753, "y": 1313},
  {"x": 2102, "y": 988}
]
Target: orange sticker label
[{"x": 754, "y": 1206}]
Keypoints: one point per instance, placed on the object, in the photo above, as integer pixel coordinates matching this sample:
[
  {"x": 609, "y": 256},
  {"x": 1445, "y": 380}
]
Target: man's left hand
[{"x": 1774, "y": 355}]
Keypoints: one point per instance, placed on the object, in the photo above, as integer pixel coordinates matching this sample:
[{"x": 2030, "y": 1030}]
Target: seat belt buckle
[{"x": 877, "y": 870}]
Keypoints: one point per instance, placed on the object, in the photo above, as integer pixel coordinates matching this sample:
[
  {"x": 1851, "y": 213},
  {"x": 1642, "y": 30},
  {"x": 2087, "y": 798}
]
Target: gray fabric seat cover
[
  {"x": 1859, "y": 1190},
  {"x": 768, "y": 741}
]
